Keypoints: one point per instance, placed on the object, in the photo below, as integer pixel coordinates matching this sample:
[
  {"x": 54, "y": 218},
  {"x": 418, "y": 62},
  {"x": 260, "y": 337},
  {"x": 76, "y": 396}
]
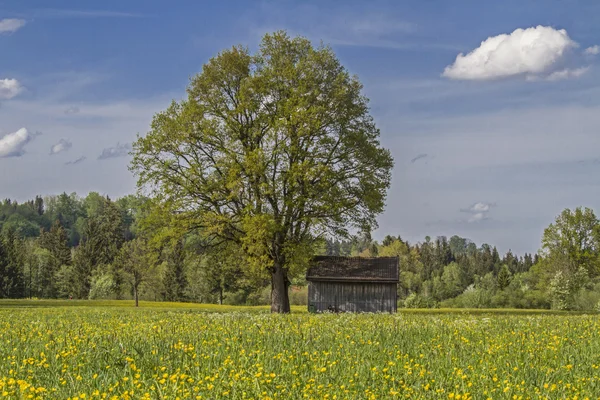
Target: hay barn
[{"x": 353, "y": 284}]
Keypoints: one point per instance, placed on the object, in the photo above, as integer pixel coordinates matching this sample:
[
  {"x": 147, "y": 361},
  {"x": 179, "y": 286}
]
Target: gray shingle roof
[{"x": 357, "y": 269}]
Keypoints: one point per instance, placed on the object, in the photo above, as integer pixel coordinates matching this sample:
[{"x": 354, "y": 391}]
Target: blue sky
[{"x": 490, "y": 150}]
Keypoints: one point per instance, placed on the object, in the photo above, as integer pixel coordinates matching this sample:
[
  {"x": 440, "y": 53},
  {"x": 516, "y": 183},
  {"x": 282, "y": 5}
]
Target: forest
[{"x": 93, "y": 247}]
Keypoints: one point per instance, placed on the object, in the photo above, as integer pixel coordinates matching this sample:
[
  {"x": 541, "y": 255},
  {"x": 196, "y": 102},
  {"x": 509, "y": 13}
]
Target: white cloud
[
  {"x": 592, "y": 50},
  {"x": 10, "y": 25},
  {"x": 476, "y": 217},
  {"x": 524, "y": 51},
  {"x": 13, "y": 144},
  {"x": 120, "y": 150},
  {"x": 567, "y": 73},
  {"x": 9, "y": 88},
  {"x": 562, "y": 74},
  {"x": 479, "y": 211},
  {"x": 62, "y": 145},
  {"x": 480, "y": 207}
]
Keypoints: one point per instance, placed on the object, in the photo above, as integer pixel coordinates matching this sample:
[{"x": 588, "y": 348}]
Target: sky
[{"x": 491, "y": 110}]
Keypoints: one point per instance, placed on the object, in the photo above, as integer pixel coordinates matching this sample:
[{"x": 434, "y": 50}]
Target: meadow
[{"x": 89, "y": 350}]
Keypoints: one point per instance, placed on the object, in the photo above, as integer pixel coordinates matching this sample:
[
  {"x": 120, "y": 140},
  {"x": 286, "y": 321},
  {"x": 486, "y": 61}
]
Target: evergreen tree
[
  {"x": 527, "y": 262},
  {"x": 3, "y": 267},
  {"x": 504, "y": 277},
  {"x": 496, "y": 259},
  {"x": 487, "y": 261},
  {"x": 83, "y": 262},
  {"x": 57, "y": 242},
  {"x": 12, "y": 281},
  {"x": 39, "y": 205},
  {"x": 511, "y": 262},
  {"x": 427, "y": 258},
  {"x": 174, "y": 281},
  {"x": 387, "y": 240}
]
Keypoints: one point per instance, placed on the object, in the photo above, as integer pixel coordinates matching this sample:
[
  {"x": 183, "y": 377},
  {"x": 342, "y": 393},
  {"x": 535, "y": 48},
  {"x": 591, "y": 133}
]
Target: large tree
[{"x": 270, "y": 150}]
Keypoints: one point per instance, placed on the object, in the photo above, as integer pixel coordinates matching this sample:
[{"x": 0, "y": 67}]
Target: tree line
[{"x": 92, "y": 247}]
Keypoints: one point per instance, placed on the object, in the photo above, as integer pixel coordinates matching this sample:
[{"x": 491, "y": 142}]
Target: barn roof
[{"x": 353, "y": 269}]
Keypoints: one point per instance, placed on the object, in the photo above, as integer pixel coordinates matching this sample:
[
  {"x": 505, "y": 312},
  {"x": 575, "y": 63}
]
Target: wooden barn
[{"x": 353, "y": 284}]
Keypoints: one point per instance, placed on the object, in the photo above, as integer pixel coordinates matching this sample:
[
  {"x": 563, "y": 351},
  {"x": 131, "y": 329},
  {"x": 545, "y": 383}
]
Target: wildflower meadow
[{"x": 107, "y": 352}]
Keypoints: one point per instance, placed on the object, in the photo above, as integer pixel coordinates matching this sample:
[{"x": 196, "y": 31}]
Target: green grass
[
  {"x": 164, "y": 305},
  {"x": 109, "y": 349}
]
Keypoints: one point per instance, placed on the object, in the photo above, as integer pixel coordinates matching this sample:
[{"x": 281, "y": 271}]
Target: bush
[
  {"x": 520, "y": 298},
  {"x": 415, "y": 300},
  {"x": 586, "y": 300},
  {"x": 471, "y": 298},
  {"x": 103, "y": 287}
]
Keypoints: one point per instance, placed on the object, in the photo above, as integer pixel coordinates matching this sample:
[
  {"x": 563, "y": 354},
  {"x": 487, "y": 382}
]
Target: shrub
[{"x": 415, "y": 300}]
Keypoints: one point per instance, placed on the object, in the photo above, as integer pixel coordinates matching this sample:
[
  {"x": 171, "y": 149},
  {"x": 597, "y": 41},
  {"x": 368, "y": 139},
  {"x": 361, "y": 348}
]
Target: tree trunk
[
  {"x": 280, "y": 300},
  {"x": 221, "y": 296},
  {"x": 135, "y": 293}
]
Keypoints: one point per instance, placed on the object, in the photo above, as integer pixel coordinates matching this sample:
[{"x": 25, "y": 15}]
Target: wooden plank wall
[{"x": 352, "y": 296}]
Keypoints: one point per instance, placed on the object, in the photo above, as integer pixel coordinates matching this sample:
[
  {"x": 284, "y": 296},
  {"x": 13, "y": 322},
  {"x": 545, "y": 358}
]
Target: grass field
[{"x": 69, "y": 349}]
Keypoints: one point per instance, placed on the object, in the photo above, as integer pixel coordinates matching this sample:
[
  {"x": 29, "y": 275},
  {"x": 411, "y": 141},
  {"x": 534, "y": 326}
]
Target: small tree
[
  {"x": 221, "y": 270},
  {"x": 504, "y": 277},
  {"x": 452, "y": 280},
  {"x": 137, "y": 260},
  {"x": 563, "y": 288}
]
